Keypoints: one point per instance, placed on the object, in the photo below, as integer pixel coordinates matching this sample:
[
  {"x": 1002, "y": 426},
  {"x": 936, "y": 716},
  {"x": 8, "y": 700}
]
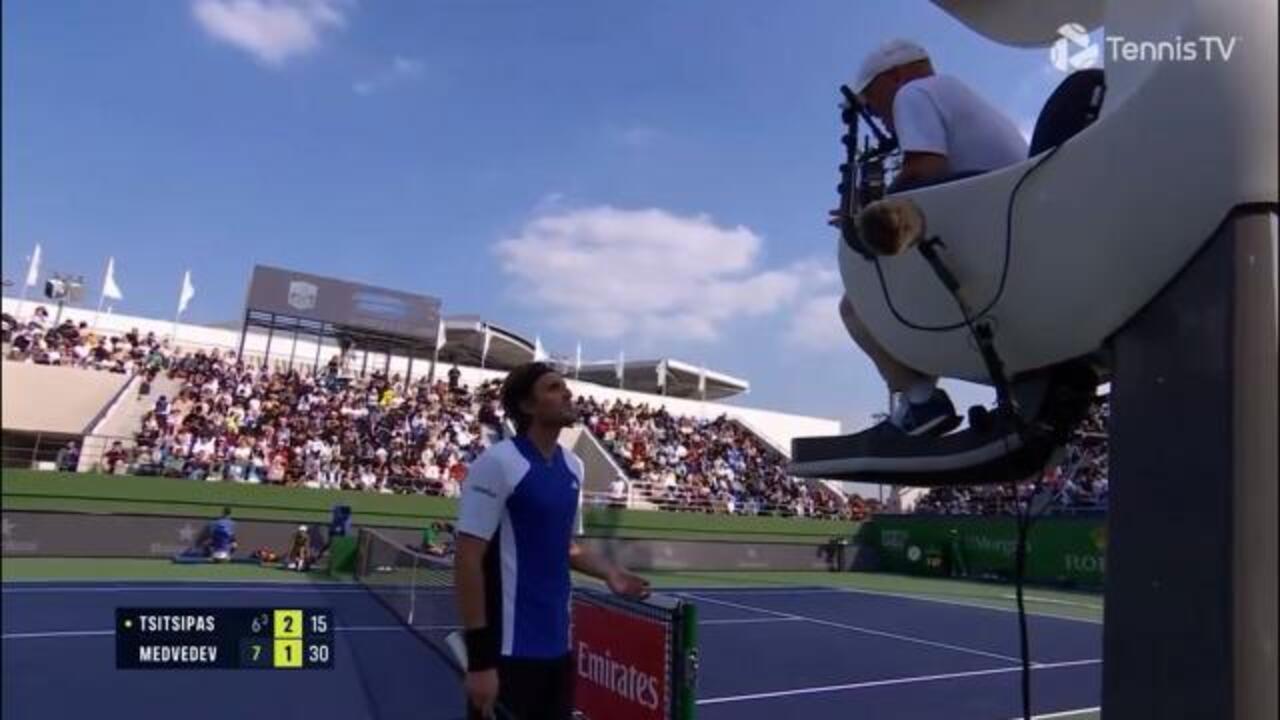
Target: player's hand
[
  {"x": 628, "y": 584},
  {"x": 835, "y": 218},
  {"x": 482, "y": 691}
]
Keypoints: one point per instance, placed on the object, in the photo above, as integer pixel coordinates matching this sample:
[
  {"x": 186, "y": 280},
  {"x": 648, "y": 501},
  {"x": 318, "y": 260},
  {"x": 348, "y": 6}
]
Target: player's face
[{"x": 553, "y": 401}]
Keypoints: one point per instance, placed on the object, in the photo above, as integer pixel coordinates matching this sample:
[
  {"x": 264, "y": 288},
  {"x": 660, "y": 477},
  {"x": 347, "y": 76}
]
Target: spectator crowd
[
  {"x": 327, "y": 429},
  {"x": 245, "y": 423},
  {"x": 39, "y": 340},
  {"x": 686, "y": 463},
  {"x": 1077, "y": 483}
]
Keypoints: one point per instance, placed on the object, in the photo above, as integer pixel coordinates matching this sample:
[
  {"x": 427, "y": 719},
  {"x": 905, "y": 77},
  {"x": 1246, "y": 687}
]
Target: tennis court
[{"x": 767, "y": 651}]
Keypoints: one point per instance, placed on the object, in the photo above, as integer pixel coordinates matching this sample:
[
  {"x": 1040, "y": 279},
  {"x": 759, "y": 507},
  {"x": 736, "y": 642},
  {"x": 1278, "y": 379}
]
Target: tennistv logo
[{"x": 1075, "y": 50}]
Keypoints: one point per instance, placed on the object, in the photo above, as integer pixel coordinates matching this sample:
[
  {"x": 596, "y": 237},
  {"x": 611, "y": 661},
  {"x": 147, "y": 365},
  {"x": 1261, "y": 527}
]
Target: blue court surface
[{"x": 765, "y": 654}]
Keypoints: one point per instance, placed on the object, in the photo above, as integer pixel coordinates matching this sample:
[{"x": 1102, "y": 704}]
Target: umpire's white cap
[{"x": 886, "y": 57}]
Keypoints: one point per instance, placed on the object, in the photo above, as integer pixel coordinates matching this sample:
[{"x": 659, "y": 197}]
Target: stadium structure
[{"x": 301, "y": 321}]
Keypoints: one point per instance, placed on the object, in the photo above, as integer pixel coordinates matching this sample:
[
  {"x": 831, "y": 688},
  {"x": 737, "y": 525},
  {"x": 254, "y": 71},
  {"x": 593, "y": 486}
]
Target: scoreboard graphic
[{"x": 224, "y": 638}]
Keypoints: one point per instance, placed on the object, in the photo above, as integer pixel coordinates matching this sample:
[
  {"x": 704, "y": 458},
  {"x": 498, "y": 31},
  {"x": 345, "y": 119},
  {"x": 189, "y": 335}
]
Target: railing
[
  {"x": 43, "y": 451},
  {"x": 47, "y": 452},
  {"x": 641, "y": 495},
  {"x": 993, "y": 509}
]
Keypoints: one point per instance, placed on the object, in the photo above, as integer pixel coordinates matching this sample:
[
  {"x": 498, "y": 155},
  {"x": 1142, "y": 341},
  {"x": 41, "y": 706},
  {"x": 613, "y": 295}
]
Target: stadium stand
[
  {"x": 716, "y": 465},
  {"x": 237, "y": 421},
  {"x": 1078, "y": 483},
  {"x": 38, "y": 340},
  {"x": 320, "y": 426}
]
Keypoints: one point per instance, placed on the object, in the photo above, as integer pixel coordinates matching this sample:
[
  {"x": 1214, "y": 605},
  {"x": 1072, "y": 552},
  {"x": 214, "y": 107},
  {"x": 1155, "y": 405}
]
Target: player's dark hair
[{"x": 517, "y": 388}]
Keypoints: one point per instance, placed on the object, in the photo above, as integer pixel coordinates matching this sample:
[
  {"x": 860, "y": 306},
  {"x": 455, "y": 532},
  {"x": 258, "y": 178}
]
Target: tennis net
[
  {"x": 633, "y": 659},
  {"x": 416, "y": 587}
]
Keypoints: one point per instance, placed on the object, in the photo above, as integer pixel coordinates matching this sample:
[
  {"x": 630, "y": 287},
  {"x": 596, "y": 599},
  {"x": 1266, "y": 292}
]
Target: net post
[
  {"x": 362, "y": 554},
  {"x": 687, "y": 661},
  {"x": 413, "y": 589}
]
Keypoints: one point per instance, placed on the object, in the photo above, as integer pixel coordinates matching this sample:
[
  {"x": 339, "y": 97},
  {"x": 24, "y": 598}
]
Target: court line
[
  {"x": 890, "y": 682},
  {"x": 290, "y": 589},
  {"x": 196, "y": 588},
  {"x": 287, "y": 587},
  {"x": 1054, "y": 601},
  {"x": 855, "y": 628},
  {"x": 56, "y": 634},
  {"x": 1063, "y": 714},
  {"x": 748, "y": 621},
  {"x": 903, "y": 596},
  {"x": 345, "y": 628}
]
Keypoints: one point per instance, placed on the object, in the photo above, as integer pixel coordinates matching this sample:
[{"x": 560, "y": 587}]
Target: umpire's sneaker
[{"x": 935, "y": 416}]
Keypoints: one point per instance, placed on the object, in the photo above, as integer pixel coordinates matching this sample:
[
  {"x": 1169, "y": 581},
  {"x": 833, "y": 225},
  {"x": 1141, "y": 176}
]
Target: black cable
[
  {"x": 1022, "y": 518},
  {"x": 1004, "y": 272}
]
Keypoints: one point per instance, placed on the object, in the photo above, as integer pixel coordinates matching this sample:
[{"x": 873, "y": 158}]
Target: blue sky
[{"x": 645, "y": 176}]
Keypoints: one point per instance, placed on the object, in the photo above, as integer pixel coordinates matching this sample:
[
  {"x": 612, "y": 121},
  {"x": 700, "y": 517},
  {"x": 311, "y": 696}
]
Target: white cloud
[
  {"x": 605, "y": 272},
  {"x": 400, "y": 70},
  {"x": 272, "y": 31},
  {"x": 816, "y": 325}
]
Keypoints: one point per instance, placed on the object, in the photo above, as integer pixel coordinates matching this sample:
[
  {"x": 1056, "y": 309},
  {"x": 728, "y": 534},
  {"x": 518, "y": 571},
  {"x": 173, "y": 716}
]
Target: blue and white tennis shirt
[{"x": 529, "y": 509}]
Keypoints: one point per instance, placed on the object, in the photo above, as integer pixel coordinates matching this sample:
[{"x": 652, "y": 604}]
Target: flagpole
[
  {"x": 33, "y": 269},
  {"x": 178, "y": 313},
  {"x": 185, "y": 294},
  {"x": 108, "y": 283},
  {"x": 101, "y": 298},
  {"x": 22, "y": 297}
]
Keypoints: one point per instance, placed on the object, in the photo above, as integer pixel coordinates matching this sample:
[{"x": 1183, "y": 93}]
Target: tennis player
[
  {"x": 520, "y": 509},
  {"x": 299, "y": 557},
  {"x": 220, "y": 537}
]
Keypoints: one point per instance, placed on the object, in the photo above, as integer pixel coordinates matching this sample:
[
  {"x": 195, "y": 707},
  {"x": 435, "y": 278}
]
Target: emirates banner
[{"x": 621, "y": 662}]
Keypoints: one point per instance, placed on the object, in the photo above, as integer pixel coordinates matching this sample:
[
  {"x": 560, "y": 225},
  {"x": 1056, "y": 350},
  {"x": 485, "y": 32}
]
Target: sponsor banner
[
  {"x": 314, "y": 297},
  {"x": 53, "y": 534},
  {"x": 95, "y": 535},
  {"x": 621, "y": 664},
  {"x": 1060, "y": 550},
  {"x": 649, "y": 554}
]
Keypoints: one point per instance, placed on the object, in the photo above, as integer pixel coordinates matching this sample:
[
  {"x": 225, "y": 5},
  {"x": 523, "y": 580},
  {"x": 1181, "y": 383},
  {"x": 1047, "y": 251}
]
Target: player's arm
[
  {"x": 468, "y": 571},
  {"x": 920, "y": 167},
  {"x": 484, "y": 497},
  {"x": 597, "y": 566}
]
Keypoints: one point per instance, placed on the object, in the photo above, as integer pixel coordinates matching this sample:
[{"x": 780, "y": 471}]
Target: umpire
[{"x": 520, "y": 509}]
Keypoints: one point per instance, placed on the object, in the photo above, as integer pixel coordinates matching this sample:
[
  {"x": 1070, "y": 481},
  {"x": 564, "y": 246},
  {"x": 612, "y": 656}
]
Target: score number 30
[{"x": 318, "y": 653}]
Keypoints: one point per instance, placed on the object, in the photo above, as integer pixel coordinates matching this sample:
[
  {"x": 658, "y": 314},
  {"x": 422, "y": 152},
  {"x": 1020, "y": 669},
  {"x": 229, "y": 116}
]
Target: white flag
[
  {"x": 33, "y": 270},
  {"x": 484, "y": 352},
  {"x": 702, "y": 383},
  {"x": 440, "y": 335},
  {"x": 109, "y": 287},
  {"x": 539, "y": 354},
  {"x": 662, "y": 375},
  {"x": 618, "y": 370},
  {"x": 188, "y": 292},
  {"x": 577, "y": 367}
]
